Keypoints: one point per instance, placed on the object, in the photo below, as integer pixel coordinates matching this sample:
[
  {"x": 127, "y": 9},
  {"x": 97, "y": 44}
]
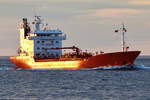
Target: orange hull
[{"x": 101, "y": 60}]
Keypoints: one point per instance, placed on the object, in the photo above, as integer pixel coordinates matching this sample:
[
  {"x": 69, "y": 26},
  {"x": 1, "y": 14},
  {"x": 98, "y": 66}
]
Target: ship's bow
[{"x": 111, "y": 59}]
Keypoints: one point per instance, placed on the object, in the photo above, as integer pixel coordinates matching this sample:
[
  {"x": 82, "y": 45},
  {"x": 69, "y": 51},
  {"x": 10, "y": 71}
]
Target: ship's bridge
[
  {"x": 44, "y": 39},
  {"x": 35, "y": 42}
]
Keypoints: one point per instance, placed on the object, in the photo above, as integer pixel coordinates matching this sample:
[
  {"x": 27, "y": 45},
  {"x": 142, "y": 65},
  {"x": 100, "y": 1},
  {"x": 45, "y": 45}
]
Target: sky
[{"x": 89, "y": 24}]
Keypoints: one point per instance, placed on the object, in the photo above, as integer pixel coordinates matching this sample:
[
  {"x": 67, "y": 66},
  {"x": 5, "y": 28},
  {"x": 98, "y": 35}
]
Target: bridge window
[
  {"x": 43, "y": 41},
  {"x": 57, "y": 41},
  {"x": 37, "y": 41},
  {"x": 37, "y": 54},
  {"x": 52, "y": 42},
  {"x": 57, "y": 55},
  {"x": 56, "y": 35},
  {"x": 38, "y": 48}
]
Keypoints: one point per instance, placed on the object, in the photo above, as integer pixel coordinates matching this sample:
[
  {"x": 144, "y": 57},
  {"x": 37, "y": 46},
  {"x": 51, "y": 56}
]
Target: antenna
[
  {"x": 123, "y": 31},
  {"x": 37, "y": 22},
  {"x": 123, "y": 37}
]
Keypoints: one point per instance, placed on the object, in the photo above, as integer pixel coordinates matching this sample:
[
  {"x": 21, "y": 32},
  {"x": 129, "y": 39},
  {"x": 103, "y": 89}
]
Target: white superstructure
[{"x": 38, "y": 42}]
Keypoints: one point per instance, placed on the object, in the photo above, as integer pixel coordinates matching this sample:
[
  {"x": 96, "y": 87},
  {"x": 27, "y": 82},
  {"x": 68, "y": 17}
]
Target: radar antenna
[{"x": 37, "y": 21}]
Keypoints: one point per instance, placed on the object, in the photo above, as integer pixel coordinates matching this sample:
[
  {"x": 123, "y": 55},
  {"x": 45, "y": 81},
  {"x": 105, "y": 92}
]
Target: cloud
[
  {"x": 116, "y": 12},
  {"x": 139, "y": 2},
  {"x": 50, "y": 1},
  {"x": 114, "y": 15}
]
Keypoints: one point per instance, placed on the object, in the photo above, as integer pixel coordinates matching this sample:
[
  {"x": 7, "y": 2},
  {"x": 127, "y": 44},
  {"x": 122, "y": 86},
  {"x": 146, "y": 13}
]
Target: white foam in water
[
  {"x": 6, "y": 68},
  {"x": 123, "y": 67},
  {"x": 142, "y": 67},
  {"x": 114, "y": 67}
]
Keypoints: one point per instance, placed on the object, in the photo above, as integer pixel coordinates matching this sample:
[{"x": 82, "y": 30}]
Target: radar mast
[
  {"x": 123, "y": 31},
  {"x": 37, "y": 21}
]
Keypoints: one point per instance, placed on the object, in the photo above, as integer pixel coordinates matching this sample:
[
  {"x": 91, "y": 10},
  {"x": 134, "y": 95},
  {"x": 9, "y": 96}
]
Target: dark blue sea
[{"x": 91, "y": 84}]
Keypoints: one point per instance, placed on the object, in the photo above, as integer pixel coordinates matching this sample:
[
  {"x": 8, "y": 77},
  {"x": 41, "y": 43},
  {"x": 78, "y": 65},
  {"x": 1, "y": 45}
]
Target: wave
[{"x": 131, "y": 67}]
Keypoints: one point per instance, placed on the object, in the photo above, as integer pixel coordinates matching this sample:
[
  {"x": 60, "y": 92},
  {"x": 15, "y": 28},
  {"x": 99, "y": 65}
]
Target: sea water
[{"x": 75, "y": 84}]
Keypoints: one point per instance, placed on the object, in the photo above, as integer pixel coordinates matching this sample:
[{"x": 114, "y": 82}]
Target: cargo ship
[{"x": 41, "y": 48}]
